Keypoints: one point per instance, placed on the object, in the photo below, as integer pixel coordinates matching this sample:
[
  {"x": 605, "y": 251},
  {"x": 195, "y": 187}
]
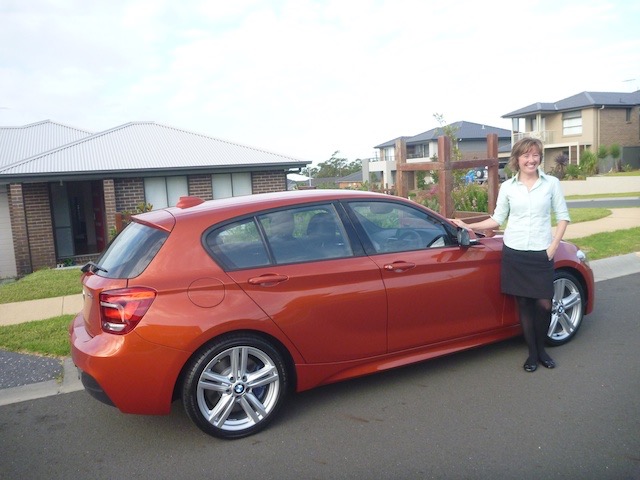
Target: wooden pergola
[{"x": 445, "y": 166}]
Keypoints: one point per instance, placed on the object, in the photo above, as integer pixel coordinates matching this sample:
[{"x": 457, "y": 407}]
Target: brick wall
[
  {"x": 200, "y": 186},
  {"x": 19, "y": 229},
  {"x": 129, "y": 192},
  {"x": 270, "y": 181},
  {"x": 615, "y": 129},
  {"x": 37, "y": 208},
  {"x": 109, "y": 191}
]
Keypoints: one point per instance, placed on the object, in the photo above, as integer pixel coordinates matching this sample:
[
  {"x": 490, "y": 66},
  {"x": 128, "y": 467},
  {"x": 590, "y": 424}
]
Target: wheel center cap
[{"x": 238, "y": 389}]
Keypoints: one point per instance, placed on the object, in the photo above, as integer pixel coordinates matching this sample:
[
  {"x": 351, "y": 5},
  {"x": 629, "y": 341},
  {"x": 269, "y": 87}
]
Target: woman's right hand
[{"x": 460, "y": 223}]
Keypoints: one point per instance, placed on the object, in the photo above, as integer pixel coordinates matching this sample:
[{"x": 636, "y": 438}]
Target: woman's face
[{"x": 530, "y": 161}]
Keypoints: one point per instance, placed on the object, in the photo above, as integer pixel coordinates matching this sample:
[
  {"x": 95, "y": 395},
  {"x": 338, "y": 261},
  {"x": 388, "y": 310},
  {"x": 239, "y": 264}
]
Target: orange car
[{"x": 230, "y": 304}]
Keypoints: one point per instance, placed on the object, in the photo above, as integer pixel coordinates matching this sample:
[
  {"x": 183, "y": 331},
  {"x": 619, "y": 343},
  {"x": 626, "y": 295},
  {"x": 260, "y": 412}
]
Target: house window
[
  {"x": 628, "y": 115},
  {"x": 572, "y": 123},
  {"x": 162, "y": 192},
  {"x": 231, "y": 184}
]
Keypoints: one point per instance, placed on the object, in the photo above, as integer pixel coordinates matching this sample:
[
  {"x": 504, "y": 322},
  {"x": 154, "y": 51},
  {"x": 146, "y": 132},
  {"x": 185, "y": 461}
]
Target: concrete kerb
[{"x": 67, "y": 384}]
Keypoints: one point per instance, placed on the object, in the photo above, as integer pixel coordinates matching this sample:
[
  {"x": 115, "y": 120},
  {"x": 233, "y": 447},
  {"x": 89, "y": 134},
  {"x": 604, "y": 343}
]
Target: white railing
[{"x": 546, "y": 136}]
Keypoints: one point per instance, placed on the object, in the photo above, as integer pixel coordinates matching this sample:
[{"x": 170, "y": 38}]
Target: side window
[
  {"x": 395, "y": 227},
  {"x": 293, "y": 235},
  {"x": 305, "y": 234},
  {"x": 238, "y": 245}
]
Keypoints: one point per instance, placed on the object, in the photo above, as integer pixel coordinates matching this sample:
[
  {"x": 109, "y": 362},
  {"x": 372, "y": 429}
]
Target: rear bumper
[
  {"x": 94, "y": 389},
  {"x": 126, "y": 371}
]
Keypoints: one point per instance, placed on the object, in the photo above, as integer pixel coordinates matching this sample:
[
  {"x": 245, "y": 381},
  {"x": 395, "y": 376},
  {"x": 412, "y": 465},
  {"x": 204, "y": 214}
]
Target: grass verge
[
  {"x": 601, "y": 195},
  {"x": 585, "y": 214},
  {"x": 43, "y": 337},
  {"x": 45, "y": 283},
  {"x": 609, "y": 244}
]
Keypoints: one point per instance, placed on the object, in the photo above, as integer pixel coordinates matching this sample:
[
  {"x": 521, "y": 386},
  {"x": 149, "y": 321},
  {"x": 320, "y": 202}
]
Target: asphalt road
[
  {"x": 605, "y": 203},
  {"x": 473, "y": 415}
]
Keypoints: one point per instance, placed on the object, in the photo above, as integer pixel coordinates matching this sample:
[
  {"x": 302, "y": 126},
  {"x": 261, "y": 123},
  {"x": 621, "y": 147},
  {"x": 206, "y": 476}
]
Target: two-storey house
[
  {"x": 471, "y": 140},
  {"x": 587, "y": 120}
]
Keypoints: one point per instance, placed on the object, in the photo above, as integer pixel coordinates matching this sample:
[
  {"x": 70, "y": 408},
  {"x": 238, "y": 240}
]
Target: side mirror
[{"x": 463, "y": 237}]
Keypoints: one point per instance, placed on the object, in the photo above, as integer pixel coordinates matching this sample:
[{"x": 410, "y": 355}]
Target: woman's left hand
[{"x": 551, "y": 251}]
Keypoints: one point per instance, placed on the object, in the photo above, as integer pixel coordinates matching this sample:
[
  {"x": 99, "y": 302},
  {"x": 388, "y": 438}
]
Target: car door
[
  {"x": 328, "y": 301},
  {"x": 436, "y": 291}
]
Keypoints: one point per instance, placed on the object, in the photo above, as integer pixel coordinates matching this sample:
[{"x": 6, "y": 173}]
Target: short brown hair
[{"x": 521, "y": 147}]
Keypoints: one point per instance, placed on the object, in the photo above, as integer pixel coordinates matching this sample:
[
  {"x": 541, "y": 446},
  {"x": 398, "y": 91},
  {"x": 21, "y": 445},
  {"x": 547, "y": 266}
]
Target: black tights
[{"x": 535, "y": 317}]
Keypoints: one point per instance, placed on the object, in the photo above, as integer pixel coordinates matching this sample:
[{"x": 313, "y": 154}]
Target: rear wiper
[{"x": 94, "y": 267}]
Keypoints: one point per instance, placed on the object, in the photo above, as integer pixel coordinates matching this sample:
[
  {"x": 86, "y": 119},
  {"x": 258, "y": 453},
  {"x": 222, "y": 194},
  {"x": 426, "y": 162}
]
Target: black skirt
[{"x": 527, "y": 273}]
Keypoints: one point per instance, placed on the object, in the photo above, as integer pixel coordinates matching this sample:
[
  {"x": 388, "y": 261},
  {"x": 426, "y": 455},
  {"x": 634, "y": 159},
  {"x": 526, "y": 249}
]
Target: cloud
[{"x": 306, "y": 77}]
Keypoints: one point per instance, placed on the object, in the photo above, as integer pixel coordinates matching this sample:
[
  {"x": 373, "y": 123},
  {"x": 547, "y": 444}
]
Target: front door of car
[
  {"x": 329, "y": 302},
  {"x": 436, "y": 291}
]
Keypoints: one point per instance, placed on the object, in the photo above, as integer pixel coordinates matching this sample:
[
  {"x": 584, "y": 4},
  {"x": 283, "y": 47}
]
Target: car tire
[
  {"x": 567, "y": 310},
  {"x": 234, "y": 386}
]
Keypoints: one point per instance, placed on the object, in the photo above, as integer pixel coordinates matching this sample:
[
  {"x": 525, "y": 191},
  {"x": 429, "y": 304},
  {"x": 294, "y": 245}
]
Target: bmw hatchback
[{"x": 230, "y": 305}]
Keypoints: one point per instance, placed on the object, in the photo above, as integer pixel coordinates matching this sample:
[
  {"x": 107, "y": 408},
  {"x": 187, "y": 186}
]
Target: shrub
[
  {"x": 573, "y": 171},
  {"x": 471, "y": 198},
  {"x": 602, "y": 151},
  {"x": 561, "y": 161},
  {"x": 466, "y": 198},
  {"x": 588, "y": 162}
]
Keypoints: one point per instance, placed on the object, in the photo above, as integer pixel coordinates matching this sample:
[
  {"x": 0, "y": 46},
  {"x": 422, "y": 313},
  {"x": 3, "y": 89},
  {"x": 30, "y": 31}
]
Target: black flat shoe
[
  {"x": 530, "y": 366},
  {"x": 548, "y": 363}
]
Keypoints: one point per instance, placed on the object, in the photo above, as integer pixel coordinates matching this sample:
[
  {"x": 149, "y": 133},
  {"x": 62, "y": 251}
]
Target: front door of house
[{"x": 78, "y": 218}]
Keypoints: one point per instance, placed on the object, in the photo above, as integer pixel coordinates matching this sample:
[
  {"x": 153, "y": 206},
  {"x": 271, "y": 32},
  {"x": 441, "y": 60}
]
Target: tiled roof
[
  {"x": 465, "y": 130},
  {"x": 145, "y": 146},
  {"x": 17, "y": 143},
  {"x": 580, "y": 101}
]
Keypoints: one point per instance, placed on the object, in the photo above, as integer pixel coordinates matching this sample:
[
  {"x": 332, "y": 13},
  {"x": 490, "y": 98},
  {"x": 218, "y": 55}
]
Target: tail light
[{"x": 121, "y": 310}]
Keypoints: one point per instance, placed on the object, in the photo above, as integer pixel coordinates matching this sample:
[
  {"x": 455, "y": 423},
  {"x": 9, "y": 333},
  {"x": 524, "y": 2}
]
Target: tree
[
  {"x": 336, "y": 167},
  {"x": 451, "y": 132},
  {"x": 615, "y": 153}
]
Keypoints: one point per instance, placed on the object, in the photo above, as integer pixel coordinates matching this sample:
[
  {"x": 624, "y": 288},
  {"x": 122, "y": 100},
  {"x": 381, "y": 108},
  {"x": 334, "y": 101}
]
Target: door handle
[
  {"x": 399, "y": 267},
  {"x": 268, "y": 280}
]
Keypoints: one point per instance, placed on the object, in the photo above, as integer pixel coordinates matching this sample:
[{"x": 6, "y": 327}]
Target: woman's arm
[
  {"x": 561, "y": 227},
  {"x": 488, "y": 224}
]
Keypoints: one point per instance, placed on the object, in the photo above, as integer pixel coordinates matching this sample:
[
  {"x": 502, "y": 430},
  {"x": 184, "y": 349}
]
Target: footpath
[{"x": 27, "y": 377}]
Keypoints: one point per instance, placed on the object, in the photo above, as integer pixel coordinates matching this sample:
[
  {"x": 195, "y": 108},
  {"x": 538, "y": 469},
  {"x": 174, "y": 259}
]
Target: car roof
[
  {"x": 264, "y": 201},
  {"x": 209, "y": 212}
]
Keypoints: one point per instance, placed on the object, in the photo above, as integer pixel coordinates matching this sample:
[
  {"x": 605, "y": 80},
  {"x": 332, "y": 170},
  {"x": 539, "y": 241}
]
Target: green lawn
[
  {"x": 44, "y": 337},
  {"x": 45, "y": 283},
  {"x": 609, "y": 244}
]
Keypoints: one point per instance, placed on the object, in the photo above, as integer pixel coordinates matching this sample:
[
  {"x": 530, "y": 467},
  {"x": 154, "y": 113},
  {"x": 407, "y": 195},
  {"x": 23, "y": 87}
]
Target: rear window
[{"x": 131, "y": 251}]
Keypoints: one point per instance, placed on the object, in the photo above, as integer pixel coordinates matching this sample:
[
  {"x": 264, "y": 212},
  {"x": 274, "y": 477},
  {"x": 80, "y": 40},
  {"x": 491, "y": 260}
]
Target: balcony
[{"x": 546, "y": 136}]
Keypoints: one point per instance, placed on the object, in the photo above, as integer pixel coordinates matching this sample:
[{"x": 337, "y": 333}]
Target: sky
[{"x": 307, "y": 78}]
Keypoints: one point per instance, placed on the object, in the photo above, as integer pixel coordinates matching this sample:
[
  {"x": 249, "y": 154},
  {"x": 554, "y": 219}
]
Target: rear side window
[
  {"x": 238, "y": 245},
  {"x": 292, "y": 235},
  {"x": 131, "y": 251}
]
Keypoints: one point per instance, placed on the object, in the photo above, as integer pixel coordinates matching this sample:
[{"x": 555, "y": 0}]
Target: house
[
  {"x": 18, "y": 143},
  {"x": 472, "y": 144},
  {"x": 587, "y": 120},
  {"x": 60, "y": 187}
]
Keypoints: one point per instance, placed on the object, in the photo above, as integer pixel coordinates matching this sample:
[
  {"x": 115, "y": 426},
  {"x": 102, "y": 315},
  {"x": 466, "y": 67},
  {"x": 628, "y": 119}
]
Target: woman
[{"x": 526, "y": 200}]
